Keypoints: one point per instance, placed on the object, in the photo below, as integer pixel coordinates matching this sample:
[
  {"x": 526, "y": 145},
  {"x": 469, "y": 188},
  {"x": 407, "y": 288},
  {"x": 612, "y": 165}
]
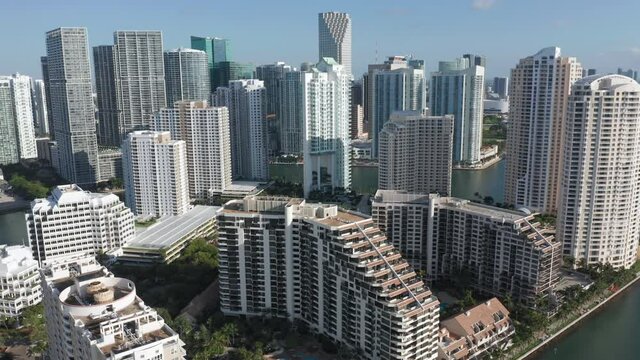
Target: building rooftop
[
  {"x": 170, "y": 229},
  {"x": 69, "y": 194},
  {"x": 15, "y": 259},
  {"x": 481, "y": 209},
  {"x": 477, "y": 319}
]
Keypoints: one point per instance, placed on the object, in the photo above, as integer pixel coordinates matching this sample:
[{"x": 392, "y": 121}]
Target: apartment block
[{"x": 19, "y": 280}]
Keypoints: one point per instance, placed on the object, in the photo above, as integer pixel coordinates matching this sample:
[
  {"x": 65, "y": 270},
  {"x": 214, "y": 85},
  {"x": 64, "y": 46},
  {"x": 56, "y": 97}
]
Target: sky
[{"x": 602, "y": 34}]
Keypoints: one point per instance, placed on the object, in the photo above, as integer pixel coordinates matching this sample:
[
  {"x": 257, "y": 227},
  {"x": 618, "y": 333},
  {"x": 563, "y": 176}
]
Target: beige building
[
  {"x": 415, "y": 153},
  {"x": 600, "y": 195},
  {"x": 538, "y": 92}
]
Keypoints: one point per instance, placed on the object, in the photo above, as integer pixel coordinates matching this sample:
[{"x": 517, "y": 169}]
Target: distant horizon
[{"x": 501, "y": 30}]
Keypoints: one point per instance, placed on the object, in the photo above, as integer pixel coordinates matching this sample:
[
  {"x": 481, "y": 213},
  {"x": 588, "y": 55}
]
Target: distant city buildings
[
  {"x": 217, "y": 50},
  {"x": 415, "y": 153},
  {"x": 72, "y": 221},
  {"x": 44, "y": 65},
  {"x": 72, "y": 107},
  {"x": 205, "y": 130},
  {"x": 329, "y": 269},
  {"x": 93, "y": 315},
  {"x": 186, "y": 75},
  {"x": 396, "y": 85},
  {"x": 357, "y": 111},
  {"x": 9, "y": 152},
  {"x": 501, "y": 86},
  {"x": 589, "y": 72},
  {"x": 632, "y": 73},
  {"x": 326, "y": 140},
  {"x": 155, "y": 174},
  {"x": 39, "y": 104},
  {"x": 540, "y": 86},
  {"x": 334, "y": 38},
  {"x": 457, "y": 89},
  {"x": 600, "y": 184},
  {"x": 273, "y": 76},
  {"x": 23, "y": 113},
  {"x": 247, "y": 104},
  {"x": 19, "y": 280}
]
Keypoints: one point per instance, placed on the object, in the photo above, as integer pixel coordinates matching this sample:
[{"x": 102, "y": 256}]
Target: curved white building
[
  {"x": 600, "y": 194},
  {"x": 186, "y": 75},
  {"x": 19, "y": 281}
]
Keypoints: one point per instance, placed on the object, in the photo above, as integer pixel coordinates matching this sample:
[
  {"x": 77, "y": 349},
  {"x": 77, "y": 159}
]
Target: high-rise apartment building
[
  {"x": 205, "y": 129},
  {"x": 19, "y": 280},
  {"x": 72, "y": 221},
  {"x": 396, "y": 85},
  {"x": 247, "y": 104},
  {"x": 73, "y": 113},
  {"x": 600, "y": 188},
  {"x": 39, "y": 105},
  {"x": 93, "y": 315},
  {"x": 291, "y": 111},
  {"x": 44, "y": 64},
  {"x": 155, "y": 174},
  {"x": 217, "y": 50},
  {"x": 326, "y": 130},
  {"x": 331, "y": 269},
  {"x": 457, "y": 89},
  {"x": 501, "y": 87},
  {"x": 21, "y": 100},
  {"x": 503, "y": 252},
  {"x": 9, "y": 152},
  {"x": 540, "y": 86},
  {"x": 109, "y": 116},
  {"x": 186, "y": 75},
  {"x": 334, "y": 38},
  {"x": 415, "y": 153},
  {"x": 272, "y": 75},
  {"x": 139, "y": 77}
]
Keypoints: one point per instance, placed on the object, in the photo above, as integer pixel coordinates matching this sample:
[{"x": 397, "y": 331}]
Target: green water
[{"x": 13, "y": 229}]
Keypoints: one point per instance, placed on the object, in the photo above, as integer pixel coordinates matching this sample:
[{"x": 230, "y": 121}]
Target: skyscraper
[
  {"x": 72, "y": 106},
  {"x": 326, "y": 140},
  {"x": 272, "y": 75},
  {"x": 599, "y": 199},
  {"x": 44, "y": 64},
  {"x": 501, "y": 86},
  {"x": 109, "y": 116},
  {"x": 139, "y": 79},
  {"x": 291, "y": 111},
  {"x": 155, "y": 174},
  {"x": 357, "y": 111},
  {"x": 415, "y": 153},
  {"x": 186, "y": 75},
  {"x": 9, "y": 145},
  {"x": 39, "y": 105},
  {"x": 540, "y": 85},
  {"x": 205, "y": 129},
  {"x": 217, "y": 50},
  {"x": 457, "y": 88},
  {"x": 334, "y": 38},
  {"x": 247, "y": 104},
  {"x": 226, "y": 71},
  {"x": 396, "y": 85},
  {"x": 20, "y": 86}
]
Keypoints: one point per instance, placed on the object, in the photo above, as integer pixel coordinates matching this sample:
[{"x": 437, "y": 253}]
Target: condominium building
[
  {"x": 600, "y": 188},
  {"x": 205, "y": 130},
  {"x": 415, "y": 153},
  {"x": 109, "y": 116},
  {"x": 72, "y": 108},
  {"x": 72, "y": 221},
  {"x": 20, "y": 100},
  {"x": 329, "y": 268},
  {"x": 396, "y": 85},
  {"x": 538, "y": 94},
  {"x": 334, "y": 38},
  {"x": 272, "y": 75},
  {"x": 291, "y": 111},
  {"x": 155, "y": 174},
  {"x": 186, "y": 75},
  {"x": 9, "y": 153},
  {"x": 217, "y": 50},
  {"x": 457, "y": 89},
  {"x": 326, "y": 135},
  {"x": 501, "y": 252},
  {"x": 39, "y": 104},
  {"x": 19, "y": 280},
  {"x": 139, "y": 77},
  {"x": 247, "y": 104},
  {"x": 93, "y": 315}
]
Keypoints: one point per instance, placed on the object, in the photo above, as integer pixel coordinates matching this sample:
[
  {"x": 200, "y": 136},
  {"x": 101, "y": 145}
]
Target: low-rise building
[
  {"x": 93, "y": 315},
  {"x": 109, "y": 163},
  {"x": 19, "y": 280},
  {"x": 471, "y": 334}
]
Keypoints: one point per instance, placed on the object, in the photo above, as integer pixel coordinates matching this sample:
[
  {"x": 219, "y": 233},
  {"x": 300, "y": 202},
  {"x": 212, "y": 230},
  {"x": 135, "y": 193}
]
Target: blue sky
[{"x": 602, "y": 34}]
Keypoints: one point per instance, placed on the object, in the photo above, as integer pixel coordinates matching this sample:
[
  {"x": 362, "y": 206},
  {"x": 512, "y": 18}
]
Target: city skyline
[{"x": 499, "y": 33}]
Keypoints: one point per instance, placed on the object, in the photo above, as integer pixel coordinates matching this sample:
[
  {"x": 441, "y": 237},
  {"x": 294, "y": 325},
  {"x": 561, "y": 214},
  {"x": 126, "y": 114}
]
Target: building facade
[
  {"x": 217, "y": 50},
  {"x": 23, "y": 112},
  {"x": 205, "y": 130},
  {"x": 72, "y": 107},
  {"x": 9, "y": 152},
  {"x": 39, "y": 104},
  {"x": 538, "y": 94},
  {"x": 415, "y": 153},
  {"x": 331, "y": 269},
  {"x": 44, "y": 65},
  {"x": 110, "y": 163},
  {"x": 334, "y": 38},
  {"x": 600, "y": 187},
  {"x": 155, "y": 174},
  {"x": 226, "y": 71},
  {"x": 291, "y": 112},
  {"x": 109, "y": 116},
  {"x": 186, "y": 75},
  {"x": 19, "y": 280},
  {"x": 72, "y": 221},
  {"x": 93, "y": 315},
  {"x": 457, "y": 89}
]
